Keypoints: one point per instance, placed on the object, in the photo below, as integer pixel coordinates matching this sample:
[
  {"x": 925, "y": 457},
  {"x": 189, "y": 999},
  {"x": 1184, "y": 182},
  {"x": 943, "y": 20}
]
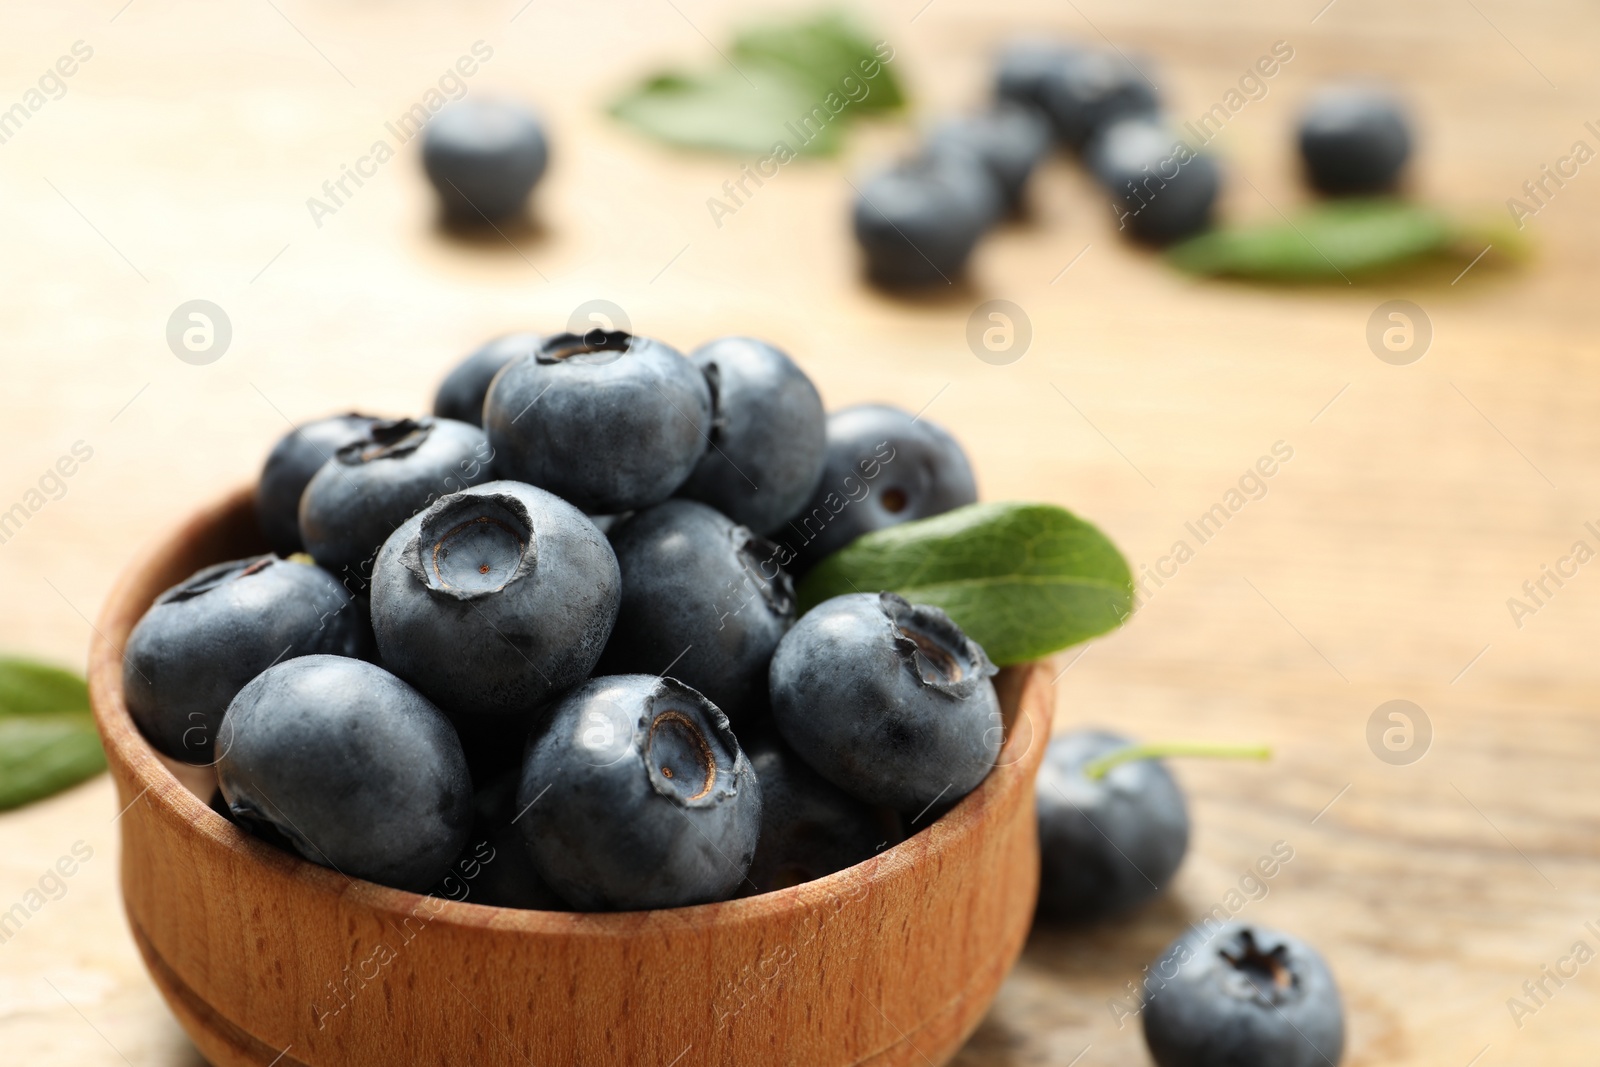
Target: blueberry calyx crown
[
  {"x": 386, "y": 439},
  {"x": 1267, "y": 973},
  {"x": 595, "y": 347},
  {"x": 471, "y": 545},
  {"x": 204, "y": 581},
  {"x": 689, "y": 764},
  {"x": 934, "y": 647},
  {"x": 757, "y": 554}
]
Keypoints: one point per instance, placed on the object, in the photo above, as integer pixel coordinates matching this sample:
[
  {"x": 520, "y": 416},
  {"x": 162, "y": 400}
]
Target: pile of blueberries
[
  {"x": 529, "y": 626},
  {"x": 918, "y": 221}
]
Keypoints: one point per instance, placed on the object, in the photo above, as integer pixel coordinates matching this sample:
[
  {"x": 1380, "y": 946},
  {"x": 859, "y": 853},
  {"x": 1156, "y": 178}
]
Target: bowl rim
[{"x": 148, "y": 774}]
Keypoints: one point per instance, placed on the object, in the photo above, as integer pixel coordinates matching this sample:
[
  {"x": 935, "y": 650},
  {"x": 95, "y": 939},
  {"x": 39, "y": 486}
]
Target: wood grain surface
[{"x": 1377, "y": 565}]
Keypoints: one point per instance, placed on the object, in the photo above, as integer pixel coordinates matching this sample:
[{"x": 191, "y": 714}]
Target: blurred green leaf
[
  {"x": 1023, "y": 580},
  {"x": 47, "y": 735}
]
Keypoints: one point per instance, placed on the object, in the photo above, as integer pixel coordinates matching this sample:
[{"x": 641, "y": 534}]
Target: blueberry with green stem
[
  {"x": 461, "y": 394},
  {"x": 1354, "y": 140},
  {"x": 484, "y": 157},
  {"x": 1113, "y": 825},
  {"x": 1242, "y": 995},
  {"x": 297, "y": 456}
]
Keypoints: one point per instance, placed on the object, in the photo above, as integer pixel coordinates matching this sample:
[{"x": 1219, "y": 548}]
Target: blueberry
[
  {"x": 484, "y": 158},
  {"x": 918, "y": 221},
  {"x": 1105, "y": 844},
  {"x": 768, "y": 435},
  {"x": 809, "y": 827},
  {"x": 374, "y": 484},
  {"x": 204, "y": 638},
  {"x": 494, "y": 600},
  {"x": 1161, "y": 189},
  {"x": 1092, "y": 89},
  {"x": 1010, "y": 139},
  {"x": 290, "y": 465},
  {"x": 884, "y": 467},
  {"x": 704, "y": 600},
  {"x": 1028, "y": 69},
  {"x": 638, "y": 796},
  {"x": 461, "y": 394},
  {"x": 609, "y": 421},
  {"x": 1245, "y": 996},
  {"x": 497, "y": 871},
  {"x": 889, "y": 701},
  {"x": 352, "y": 765},
  {"x": 1354, "y": 139}
]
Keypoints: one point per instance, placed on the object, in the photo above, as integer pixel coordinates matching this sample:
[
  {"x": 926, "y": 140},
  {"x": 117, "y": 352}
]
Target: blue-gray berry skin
[
  {"x": 1161, "y": 190},
  {"x": 1027, "y": 70},
  {"x": 1105, "y": 845},
  {"x": 1354, "y": 140},
  {"x": 609, "y": 421},
  {"x": 293, "y": 460},
  {"x": 461, "y": 394},
  {"x": 637, "y": 795},
  {"x": 1009, "y": 138},
  {"x": 918, "y": 221},
  {"x": 889, "y": 701},
  {"x": 768, "y": 434},
  {"x": 374, "y": 484},
  {"x": 494, "y": 600},
  {"x": 484, "y": 158},
  {"x": 1092, "y": 89},
  {"x": 1245, "y": 996},
  {"x": 704, "y": 600},
  {"x": 883, "y": 467},
  {"x": 204, "y": 638},
  {"x": 357, "y": 769},
  {"x": 810, "y": 828}
]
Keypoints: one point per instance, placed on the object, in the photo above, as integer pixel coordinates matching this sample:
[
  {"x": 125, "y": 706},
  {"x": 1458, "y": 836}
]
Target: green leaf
[
  {"x": 1023, "y": 580},
  {"x": 1334, "y": 242},
  {"x": 773, "y": 89},
  {"x": 47, "y": 735}
]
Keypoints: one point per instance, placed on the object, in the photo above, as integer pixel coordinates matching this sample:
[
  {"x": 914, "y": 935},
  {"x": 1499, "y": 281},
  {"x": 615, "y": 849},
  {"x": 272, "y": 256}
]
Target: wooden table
[{"x": 1377, "y": 565}]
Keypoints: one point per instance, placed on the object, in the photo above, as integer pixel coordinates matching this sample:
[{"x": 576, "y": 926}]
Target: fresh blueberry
[
  {"x": 609, "y": 421},
  {"x": 1354, "y": 139},
  {"x": 1110, "y": 843},
  {"x": 1161, "y": 189},
  {"x": 810, "y": 828},
  {"x": 291, "y": 463},
  {"x": 918, "y": 221},
  {"x": 497, "y": 871},
  {"x": 1092, "y": 89},
  {"x": 884, "y": 467},
  {"x": 204, "y": 638},
  {"x": 1245, "y": 996},
  {"x": 1028, "y": 69},
  {"x": 352, "y": 765},
  {"x": 494, "y": 600},
  {"x": 889, "y": 701},
  {"x": 768, "y": 435},
  {"x": 484, "y": 158},
  {"x": 704, "y": 600},
  {"x": 1010, "y": 139},
  {"x": 461, "y": 394},
  {"x": 374, "y": 484},
  {"x": 637, "y": 796}
]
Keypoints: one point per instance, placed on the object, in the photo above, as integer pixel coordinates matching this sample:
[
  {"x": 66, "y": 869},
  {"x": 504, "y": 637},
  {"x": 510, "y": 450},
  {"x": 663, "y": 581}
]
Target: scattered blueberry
[
  {"x": 1354, "y": 139},
  {"x": 1092, "y": 89},
  {"x": 1027, "y": 69},
  {"x": 374, "y": 484},
  {"x": 1245, "y": 996},
  {"x": 703, "y": 599},
  {"x": 352, "y": 765},
  {"x": 609, "y": 421},
  {"x": 810, "y": 828},
  {"x": 889, "y": 701},
  {"x": 1106, "y": 844},
  {"x": 638, "y": 796},
  {"x": 290, "y": 465},
  {"x": 204, "y": 638},
  {"x": 918, "y": 221},
  {"x": 494, "y": 600},
  {"x": 484, "y": 158},
  {"x": 1010, "y": 139},
  {"x": 1162, "y": 190},
  {"x": 768, "y": 434},
  {"x": 883, "y": 467},
  {"x": 461, "y": 394}
]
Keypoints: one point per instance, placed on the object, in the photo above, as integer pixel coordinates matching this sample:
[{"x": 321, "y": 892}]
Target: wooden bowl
[{"x": 267, "y": 959}]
